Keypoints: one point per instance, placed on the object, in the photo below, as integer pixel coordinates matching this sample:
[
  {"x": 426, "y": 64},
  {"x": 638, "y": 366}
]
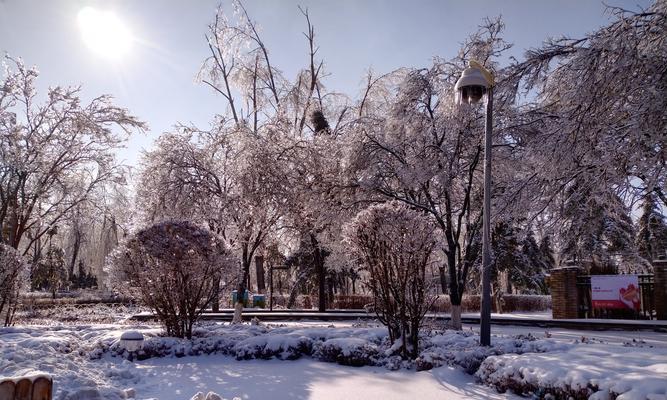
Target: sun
[{"x": 104, "y": 33}]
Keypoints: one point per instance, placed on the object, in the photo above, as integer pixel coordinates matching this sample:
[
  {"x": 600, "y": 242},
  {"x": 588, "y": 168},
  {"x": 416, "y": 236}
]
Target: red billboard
[{"x": 615, "y": 291}]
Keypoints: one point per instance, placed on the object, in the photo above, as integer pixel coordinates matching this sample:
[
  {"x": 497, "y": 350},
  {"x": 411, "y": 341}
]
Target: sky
[{"x": 155, "y": 76}]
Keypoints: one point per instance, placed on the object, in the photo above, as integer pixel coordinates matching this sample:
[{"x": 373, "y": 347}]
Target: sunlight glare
[{"x": 104, "y": 33}]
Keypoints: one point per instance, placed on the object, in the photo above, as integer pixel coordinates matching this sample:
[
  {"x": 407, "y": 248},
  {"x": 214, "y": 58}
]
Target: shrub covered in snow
[
  {"x": 356, "y": 352},
  {"x": 12, "y": 277},
  {"x": 284, "y": 347},
  {"x": 396, "y": 245},
  {"x": 581, "y": 371},
  {"x": 175, "y": 268}
]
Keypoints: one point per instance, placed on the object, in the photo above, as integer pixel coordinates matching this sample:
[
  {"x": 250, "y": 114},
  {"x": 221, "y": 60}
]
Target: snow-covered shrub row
[
  {"x": 87, "y": 296},
  {"x": 345, "y": 346},
  {"x": 593, "y": 371},
  {"x": 511, "y": 303},
  {"x": 463, "y": 349},
  {"x": 76, "y": 314},
  {"x": 347, "y": 351}
]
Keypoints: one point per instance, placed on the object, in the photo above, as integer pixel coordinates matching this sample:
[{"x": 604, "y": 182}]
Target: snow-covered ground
[
  {"x": 172, "y": 379},
  {"x": 255, "y": 362}
]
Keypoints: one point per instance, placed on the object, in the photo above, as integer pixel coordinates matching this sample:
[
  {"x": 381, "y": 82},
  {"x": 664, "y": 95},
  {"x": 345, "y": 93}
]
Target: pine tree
[
  {"x": 535, "y": 265},
  {"x": 651, "y": 231},
  {"x": 547, "y": 252},
  {"x": 598, "y": 229}
]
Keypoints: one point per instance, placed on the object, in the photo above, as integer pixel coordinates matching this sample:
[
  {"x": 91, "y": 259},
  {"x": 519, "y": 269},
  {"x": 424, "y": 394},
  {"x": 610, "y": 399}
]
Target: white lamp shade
[{"x": 472, "y": 77}]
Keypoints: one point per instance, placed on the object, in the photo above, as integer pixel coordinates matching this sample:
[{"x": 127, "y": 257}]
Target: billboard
[{"x": 615, "y": 291}]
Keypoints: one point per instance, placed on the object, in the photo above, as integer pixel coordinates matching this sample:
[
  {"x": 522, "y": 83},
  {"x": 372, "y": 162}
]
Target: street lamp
[{"x": 476, "y": 82}]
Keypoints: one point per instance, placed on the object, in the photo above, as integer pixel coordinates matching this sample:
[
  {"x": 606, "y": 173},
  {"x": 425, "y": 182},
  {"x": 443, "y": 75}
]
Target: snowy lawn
[
  {"x": 251, "y": 362},
  {"x": 172, "y": 379}
]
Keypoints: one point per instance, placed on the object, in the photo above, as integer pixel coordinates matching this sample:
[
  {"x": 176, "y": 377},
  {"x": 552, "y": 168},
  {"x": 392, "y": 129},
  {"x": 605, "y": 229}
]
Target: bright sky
[{"x": 159, "y": 44}]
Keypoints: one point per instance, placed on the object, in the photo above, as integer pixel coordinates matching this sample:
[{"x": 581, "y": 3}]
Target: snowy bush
[
  {"x": 174, "y": 267},
  {"x": 12, "y": 278},
  {"x": 396, "y": 246},
  {"x": 284, "y": 347},
  {"x": 355, "y": 352},
  {"x": 580, "y": 371}
]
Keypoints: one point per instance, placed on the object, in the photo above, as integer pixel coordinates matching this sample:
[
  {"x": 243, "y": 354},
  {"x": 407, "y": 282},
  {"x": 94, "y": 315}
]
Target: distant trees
[
  {"x": 396, "y": 245},
  {"x": 50, "y": 272},
  {"x": 174, "y": 267},
  {"x": 53, "y": 155},
  {"x": 13, "y": 277}
]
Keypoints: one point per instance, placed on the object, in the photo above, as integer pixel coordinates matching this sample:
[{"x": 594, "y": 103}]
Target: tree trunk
[
  {"x": 238, "y": 313},
  {"x": 443, "y": 279},
  {"x": 75, "y": 253},
  {"x": 455, "y": 292},
  {"x": 215, "y": 303},
  {"x": 259, "y": 271},
  {"x": 321, "y": 273},
  {"x": 455, "y": 322},
  {"x": 240, "y": 294}
]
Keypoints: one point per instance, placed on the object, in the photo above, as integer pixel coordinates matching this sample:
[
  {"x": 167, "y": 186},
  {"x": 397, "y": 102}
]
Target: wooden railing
[{"x": 28, "y": 388}]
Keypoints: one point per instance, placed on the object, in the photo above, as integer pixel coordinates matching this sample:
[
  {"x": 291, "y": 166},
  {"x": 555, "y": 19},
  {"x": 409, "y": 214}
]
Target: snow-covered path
[{"x": 180, "y": 378}]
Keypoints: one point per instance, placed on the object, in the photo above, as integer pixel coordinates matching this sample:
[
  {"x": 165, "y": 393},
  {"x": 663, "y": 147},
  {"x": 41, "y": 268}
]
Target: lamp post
[{"x": 477, "y": 82}]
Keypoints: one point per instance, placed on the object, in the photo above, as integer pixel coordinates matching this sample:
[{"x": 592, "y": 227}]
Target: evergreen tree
[
  {"x": 547, "y": 252},
  {"x": 507, "y": 257},
  {"x": 50, "y": 272},
  {"x": 535, "y": 265},
  {"x": 651, "y": 231},
  {"x": 597, "y": 227}
]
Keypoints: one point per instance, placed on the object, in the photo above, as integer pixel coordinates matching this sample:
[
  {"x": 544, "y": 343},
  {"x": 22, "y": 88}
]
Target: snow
[
  {"x": 251, "y": 362},
  {"x": 30, "y": 374},
  {"x": 167, "y": 379},
  {"x": 630, "y": 372},
  {"x": 132, "y": 335}
]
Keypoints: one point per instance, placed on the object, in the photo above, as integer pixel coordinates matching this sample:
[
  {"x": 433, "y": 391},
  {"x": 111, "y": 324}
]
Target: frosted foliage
[
  {"x": 413, "y": 144},
  {"x": 13, "y": 277},
  {"x": 175, "y": 268},
  {"x": 396, "y": 246},
  {"x": 53, "y": 155},
  {"x": 597, "y": 129}
]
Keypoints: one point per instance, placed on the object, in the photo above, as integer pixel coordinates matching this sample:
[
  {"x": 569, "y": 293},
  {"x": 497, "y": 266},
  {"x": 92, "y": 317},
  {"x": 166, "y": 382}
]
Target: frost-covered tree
[
  {"x": 174, "y": 268},
  {"x": 54, "y": 154},
  {"x": 214, "y": 178},
  {"x": 651, "y": 231},
  {"x": 396, "y": 246},
  {"x": 596, "y": 227},
  {"x": 416, "y": 146},
  {"x": 260, "y": 137},
  {"x": 13, "y": 278},
  {"x": 597, "y": 124}
]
